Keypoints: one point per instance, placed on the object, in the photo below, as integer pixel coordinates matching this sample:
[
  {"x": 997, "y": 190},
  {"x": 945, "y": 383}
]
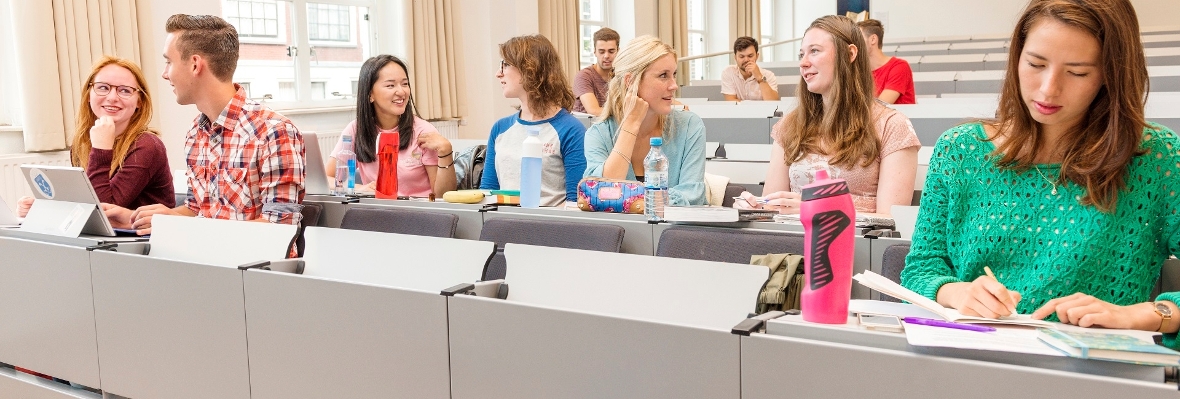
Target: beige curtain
[
  {"x": 673, "y": 29},
  {"x": 437, "y": 62},
  {"x": 60, "y": 41},
  {"x": 559, "y": 22},
  {"x": 745, "y": 20}
]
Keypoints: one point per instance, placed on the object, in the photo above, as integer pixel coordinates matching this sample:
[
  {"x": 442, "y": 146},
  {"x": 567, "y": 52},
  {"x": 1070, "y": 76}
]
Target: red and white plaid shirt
[{"x": 249, "y": 163}]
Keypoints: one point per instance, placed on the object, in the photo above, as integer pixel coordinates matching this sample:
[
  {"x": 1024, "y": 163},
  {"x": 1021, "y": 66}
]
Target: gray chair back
[
  {"x": 401, "y": 221},
  {"x": 719, "y": 244},
  {"x": 545, "y": 233},
  {"x": 892, "y": 262},
  {"x": 731, "y": 190},
  {"x": 311, "y": 217}
]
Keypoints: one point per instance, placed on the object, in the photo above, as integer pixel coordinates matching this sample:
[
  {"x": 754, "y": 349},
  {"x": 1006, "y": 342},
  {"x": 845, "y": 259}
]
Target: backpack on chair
[
  {"x": 782, "y": 289},
  {"x": 469, "y": 167}
]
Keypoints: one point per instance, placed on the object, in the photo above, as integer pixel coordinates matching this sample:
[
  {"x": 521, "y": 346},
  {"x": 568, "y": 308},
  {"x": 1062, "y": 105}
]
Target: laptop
[
  {"x": 316, "y": 178},
  {"x": 70, "y": 184}
]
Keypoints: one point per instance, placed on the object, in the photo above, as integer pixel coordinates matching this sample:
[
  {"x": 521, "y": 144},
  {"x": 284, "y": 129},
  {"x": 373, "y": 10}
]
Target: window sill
[{"x": 315, "y": 110}]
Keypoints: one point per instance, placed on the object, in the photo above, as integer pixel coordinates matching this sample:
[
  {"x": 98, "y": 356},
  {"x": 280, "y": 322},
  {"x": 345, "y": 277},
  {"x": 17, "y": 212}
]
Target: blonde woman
[
  {"x": 638, "y": 107},
  {"x": 124, "y": 158}
]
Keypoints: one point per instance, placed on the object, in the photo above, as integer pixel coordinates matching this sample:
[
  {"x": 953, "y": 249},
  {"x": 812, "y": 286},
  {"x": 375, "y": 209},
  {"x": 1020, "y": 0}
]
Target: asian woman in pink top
[{"x": 384, "y": 104}]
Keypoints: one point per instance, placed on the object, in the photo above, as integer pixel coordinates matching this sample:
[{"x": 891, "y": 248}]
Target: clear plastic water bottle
[
  {"x": 655, "y": 180},
  {"x": 530, "y": 169},
  {"x": 345, "y": 168}
]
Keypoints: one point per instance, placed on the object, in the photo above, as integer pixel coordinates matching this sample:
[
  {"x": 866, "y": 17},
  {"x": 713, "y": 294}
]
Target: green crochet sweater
[{"x": 1045, "y": 246}]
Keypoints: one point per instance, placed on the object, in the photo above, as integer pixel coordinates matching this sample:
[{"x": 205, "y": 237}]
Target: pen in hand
[{"x": 1011, "y": 308}]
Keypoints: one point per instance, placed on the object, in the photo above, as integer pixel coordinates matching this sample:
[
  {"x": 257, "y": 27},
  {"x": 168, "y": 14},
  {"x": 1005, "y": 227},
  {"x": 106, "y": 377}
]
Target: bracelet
[
  {"x": 448, "y": 154},
  {"x": 446, "y": 167},
  {"x": 629, "y": 132},
  {"x": 616, "y": 151}
]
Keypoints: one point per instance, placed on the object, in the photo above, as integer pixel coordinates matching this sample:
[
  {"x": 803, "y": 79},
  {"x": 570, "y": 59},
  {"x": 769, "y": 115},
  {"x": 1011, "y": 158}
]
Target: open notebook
[{"x": 886, "y": 286}]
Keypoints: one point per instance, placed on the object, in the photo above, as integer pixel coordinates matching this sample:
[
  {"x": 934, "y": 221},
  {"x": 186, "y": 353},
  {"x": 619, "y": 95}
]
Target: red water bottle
[
  {"x": 828, "y": 249},
  {"x": 387, "y": 144}
]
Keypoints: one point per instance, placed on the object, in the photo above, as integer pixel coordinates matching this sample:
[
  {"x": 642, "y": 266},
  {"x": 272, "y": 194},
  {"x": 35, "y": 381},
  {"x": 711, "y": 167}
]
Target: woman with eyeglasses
[
  {"x": 531, "y": 72},
  {"x": 124, "y": 158}
]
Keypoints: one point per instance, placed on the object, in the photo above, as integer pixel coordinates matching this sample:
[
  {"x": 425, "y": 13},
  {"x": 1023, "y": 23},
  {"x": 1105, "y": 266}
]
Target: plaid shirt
[{"x": 246, "y": 164}]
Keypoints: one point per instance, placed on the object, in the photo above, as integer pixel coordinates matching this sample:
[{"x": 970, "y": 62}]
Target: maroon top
[{"x": 144, "y": 178}]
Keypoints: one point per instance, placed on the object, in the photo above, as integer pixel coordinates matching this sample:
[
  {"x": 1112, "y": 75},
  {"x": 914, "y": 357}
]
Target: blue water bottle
[{"x": 530, "y": 169}]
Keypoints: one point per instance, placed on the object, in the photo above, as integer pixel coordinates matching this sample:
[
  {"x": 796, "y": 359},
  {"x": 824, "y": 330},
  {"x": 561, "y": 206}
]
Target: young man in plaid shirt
[{"x": 245, "y": 162}]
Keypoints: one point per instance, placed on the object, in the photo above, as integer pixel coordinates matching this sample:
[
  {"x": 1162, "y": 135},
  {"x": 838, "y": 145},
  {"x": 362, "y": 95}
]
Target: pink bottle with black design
[{"x": 828, "y": 222}]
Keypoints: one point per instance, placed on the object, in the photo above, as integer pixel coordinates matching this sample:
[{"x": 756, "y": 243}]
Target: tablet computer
[{"x": 69, "y": 184}]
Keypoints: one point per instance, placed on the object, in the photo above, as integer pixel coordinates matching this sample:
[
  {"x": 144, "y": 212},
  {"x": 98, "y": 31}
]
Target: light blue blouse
[{"x": 684, "y": 147}]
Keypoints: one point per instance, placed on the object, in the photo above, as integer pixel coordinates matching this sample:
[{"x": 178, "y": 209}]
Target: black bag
[{"x": 469, "y": 167}]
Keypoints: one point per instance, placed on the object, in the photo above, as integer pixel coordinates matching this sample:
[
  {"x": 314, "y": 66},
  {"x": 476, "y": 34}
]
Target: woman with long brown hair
[
  {"x": 1069, "y": 195},
  {"x": 839, "y": 126},
  {"x": 124, "y": 158},
  {"x": 531, "y": 72}
]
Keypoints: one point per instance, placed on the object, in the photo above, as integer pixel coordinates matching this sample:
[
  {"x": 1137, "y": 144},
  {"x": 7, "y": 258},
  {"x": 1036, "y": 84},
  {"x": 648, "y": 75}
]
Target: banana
[{"x": 463, "y": 196}]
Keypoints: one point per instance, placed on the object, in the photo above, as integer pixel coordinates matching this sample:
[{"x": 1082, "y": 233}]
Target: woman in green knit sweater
[{"x": 1069, "y": 195}]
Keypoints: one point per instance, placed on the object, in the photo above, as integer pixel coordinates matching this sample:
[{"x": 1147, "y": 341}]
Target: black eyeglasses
[
  {"x": 502, "y": 65},
  {"x": 103, "y": 89}
]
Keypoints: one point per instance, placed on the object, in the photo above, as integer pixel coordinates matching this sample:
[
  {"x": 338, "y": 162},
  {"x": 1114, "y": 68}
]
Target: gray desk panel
[
  {"x": 1172, "y": 123},
  {"x": 934, "y": 87},
  {"x": 316, "y": 338},
  {"x": 333, "y": 209},
  {"x": 929, "y": 129},
  {"x": 470, "y": 218},
  {"x": 169, "y": 329},
  {"x": 823, "y": 370},
  {"x": 1165, "y": 83},
  {"x": 47, "y": 311},
  {"x": 978, "y": 86},
  {"x": 1163, "y": 60},
  {"x": 948, "y": 66},
  {"x": 637, "y": 234},
  {"x": 501, "y": 349},
  {"x": 14, "y": 384},
  {"x": 739, "y": 130},
  {"x": 712, "y": 92}
]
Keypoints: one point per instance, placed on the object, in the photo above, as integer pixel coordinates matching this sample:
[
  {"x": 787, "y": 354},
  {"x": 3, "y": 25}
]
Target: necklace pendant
[{"x": 1054, "y": 191}]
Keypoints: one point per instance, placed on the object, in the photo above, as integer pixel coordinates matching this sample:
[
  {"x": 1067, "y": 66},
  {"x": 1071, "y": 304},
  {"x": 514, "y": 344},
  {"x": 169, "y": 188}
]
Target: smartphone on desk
[{"x": 880, "y": 322}]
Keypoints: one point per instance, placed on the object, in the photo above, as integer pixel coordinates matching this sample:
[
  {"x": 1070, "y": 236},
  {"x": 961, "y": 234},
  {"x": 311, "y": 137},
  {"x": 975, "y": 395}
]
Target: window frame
[
  {"x": 701, "y": 63},
  {"x": 584, "y": 62},
  {"x": 304, "y": 60}
]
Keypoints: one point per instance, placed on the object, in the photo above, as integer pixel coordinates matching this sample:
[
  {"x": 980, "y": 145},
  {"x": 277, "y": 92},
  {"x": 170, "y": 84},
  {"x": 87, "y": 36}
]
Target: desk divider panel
[
  {"x": 218, "y": 242},
  {"x": 664, "y": 290},
  {"x": 169, "y": 328},
  {"x": 506, "y": 349},
  {"x": 774, "y": 366},
  {"x": 318, "y": 338},
  {"x": 428, "y": 264},
  {"x": 47, "y": 310}
]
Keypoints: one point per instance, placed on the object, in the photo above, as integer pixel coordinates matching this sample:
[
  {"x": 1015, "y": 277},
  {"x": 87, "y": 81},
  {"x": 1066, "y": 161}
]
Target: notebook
[
  {"x": 1109, "y": 345},
  {"x": 886, "y": 286}
]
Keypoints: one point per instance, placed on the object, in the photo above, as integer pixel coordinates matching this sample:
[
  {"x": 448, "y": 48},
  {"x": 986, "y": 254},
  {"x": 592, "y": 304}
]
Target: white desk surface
[{"x": 229, "y": 243}]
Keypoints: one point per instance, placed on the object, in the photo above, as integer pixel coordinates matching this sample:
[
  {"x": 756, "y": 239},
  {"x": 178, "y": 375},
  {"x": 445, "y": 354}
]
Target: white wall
[
  {"x": 487, "y": 24},
  {"x": 920, "y": 18}
]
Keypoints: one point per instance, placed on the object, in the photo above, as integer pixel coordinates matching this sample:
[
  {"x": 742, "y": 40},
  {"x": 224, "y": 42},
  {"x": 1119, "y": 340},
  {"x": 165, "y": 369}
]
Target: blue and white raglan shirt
[{"x": 562, "y": 163}]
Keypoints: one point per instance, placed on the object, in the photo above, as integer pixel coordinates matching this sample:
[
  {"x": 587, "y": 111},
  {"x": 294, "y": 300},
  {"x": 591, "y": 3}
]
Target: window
[
  {"x": 698, "y": 68},
  {"x": 591, "y": 18},
  {"x": 329, "y": 22},
  {"x": 766, "y": 20},
  {"x": 294, "y": 52},
  {"x": 253, "y": 18}
]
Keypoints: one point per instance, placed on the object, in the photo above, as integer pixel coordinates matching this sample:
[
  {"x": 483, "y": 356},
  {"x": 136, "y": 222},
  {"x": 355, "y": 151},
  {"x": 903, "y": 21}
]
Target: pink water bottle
[{"x": 827, "y": 215}]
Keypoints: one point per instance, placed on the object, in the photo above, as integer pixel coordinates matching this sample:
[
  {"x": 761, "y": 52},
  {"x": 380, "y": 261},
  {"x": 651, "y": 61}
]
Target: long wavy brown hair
[
  {"x": 1103, "y": 144},
  {"x": 80, "y": 150},
  {"x": 541, "y": 74},
  {"x": 846, "y": 132}
]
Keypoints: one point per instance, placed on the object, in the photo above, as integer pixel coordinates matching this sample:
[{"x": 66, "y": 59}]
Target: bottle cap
[
  {"x": 824, "y": 187},
  {"x": 657, "y": 141},
  {"x": 346, "y": 138},
  {"x": 533, "y": 130}
]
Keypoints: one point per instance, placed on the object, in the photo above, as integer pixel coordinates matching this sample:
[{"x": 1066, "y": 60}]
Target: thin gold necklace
[{"x": 1053, "y": 183}]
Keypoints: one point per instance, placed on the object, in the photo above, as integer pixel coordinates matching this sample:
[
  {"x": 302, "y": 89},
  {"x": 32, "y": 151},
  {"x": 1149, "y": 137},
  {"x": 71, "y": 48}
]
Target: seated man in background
[
  {"x": 892, "y": 77},
  {"x": 245, "y": 162},
  {"x": 746, "y": 80},
  {"x": 590, "y": 83}
]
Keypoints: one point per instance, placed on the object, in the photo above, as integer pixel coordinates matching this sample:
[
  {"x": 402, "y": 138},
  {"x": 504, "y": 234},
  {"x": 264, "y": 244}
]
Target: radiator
[
  {"x": 447, "y": 128},
  {"x": 12, "y": 182}
]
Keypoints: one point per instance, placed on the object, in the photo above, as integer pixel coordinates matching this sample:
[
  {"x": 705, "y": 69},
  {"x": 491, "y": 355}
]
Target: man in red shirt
[{"x": 892, "y": 76}]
